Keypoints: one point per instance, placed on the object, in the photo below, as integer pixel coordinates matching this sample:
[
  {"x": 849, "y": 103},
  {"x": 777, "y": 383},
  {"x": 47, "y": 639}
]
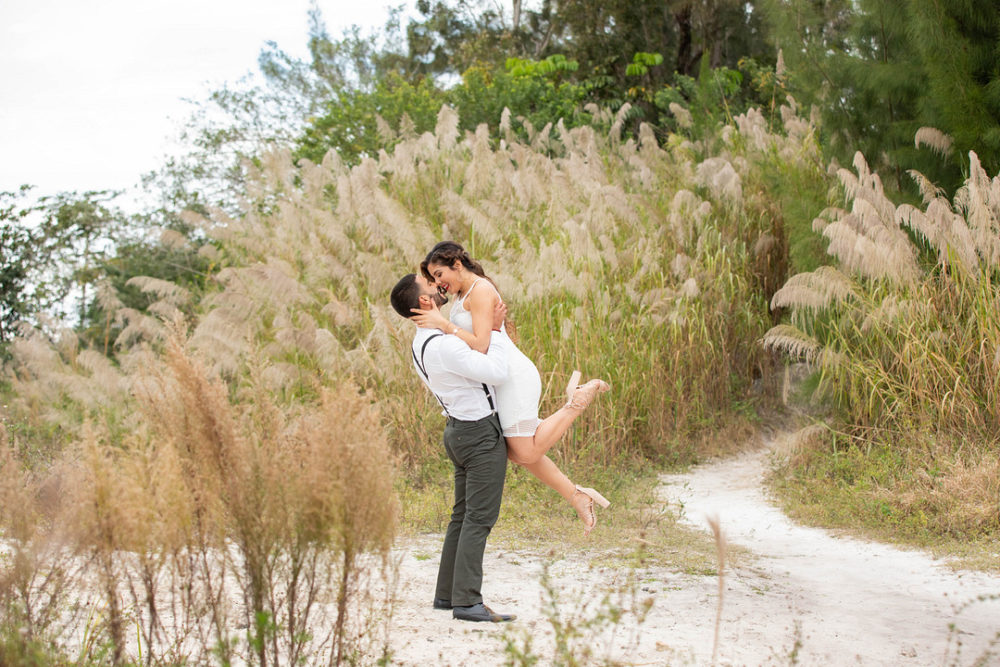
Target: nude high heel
[
  {"x": 586, "y": 509},
  {"x": 579, "y": 397},
  {"x": 574, "y": 382}
]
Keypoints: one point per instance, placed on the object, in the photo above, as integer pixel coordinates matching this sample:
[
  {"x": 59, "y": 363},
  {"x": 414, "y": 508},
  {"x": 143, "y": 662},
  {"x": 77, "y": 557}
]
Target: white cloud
[{"x": 90, "y": 92}]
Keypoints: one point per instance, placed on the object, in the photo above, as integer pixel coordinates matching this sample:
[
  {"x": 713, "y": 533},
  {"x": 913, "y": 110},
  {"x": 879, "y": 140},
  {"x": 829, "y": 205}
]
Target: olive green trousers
[{"x": 479, "y": 453}]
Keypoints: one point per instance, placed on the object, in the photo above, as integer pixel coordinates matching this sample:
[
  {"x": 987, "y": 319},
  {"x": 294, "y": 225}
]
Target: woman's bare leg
[
  {"x": 531, "y": 449},
  {"x": 548, "y": 473}
]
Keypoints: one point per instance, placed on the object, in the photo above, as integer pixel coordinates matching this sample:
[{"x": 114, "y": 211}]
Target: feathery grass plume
[
  {"x": 38, "y": 576},
  {"x": 107, "y": 298},
  {"x": 164, "y": 289},
  {"x": 935, "y": 139},
  {"x": 615, "y": 134},
  {"x": 446, "y": 129},
  {"x": 314, "y": 180},
  {"x": 717, "y": 174},
  {"x": 648, "y": 144},
  {"x": 686, "y": 210},
  {"x": 815, "y": 290},
  {"x": 385, "y": 132},
  {"x": 979, "y": 199},
  {"x": 174, "y": 240},
  {"x": 600, "y": 115},
  {"x": 407, "y": 128},
  {"x": 209, "y": 252},
  {"x": 690, "y": 289},
  {"x": 581, "y": 242},
  {"x": 682, "y": 115},
  {"x": 541, "y": 141},
  {"x": 137, "y": 327},
  {"x": 779, "y": 66},
  {"x": 680, "y": 266},
  {"x": 800, "y": 146},
  {"x": 505, "y": 127},
  {"x": 752, "y": 127},
  {"x": 790, "y": 340},
  {"x": 929, "y": 190},
  {"x": 102, "y": 523},
  {"x": 886, "y": 314},
  {"x": 865, "y": 244},
  {"x": 464, "y": 217},
  {"x": 478, "y": 175},
  {"x": 529, "y": 129}
]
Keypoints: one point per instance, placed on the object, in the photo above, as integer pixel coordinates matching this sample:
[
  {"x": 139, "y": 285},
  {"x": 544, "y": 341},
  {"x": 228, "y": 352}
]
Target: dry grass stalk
[
  {"x": 720, "y": 552},
  {"x": 210, "y": 498}
]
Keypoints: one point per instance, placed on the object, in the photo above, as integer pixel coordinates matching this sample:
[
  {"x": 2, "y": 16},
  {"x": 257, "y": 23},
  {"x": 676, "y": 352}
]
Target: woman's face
[{"x": 446, "y": 277}]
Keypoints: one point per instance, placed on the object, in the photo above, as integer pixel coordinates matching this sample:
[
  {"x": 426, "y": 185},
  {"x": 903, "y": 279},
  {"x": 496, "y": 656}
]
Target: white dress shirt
[{"x": 456, "y": 374}]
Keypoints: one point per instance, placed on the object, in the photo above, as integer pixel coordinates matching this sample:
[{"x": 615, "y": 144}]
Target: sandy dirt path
[{"x": 804, "y": 594}]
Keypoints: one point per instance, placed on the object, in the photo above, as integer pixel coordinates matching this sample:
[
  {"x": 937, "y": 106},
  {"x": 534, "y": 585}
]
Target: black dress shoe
[
  {"x": 480, "y": 612},
  {"x": 441, "y": 603}
]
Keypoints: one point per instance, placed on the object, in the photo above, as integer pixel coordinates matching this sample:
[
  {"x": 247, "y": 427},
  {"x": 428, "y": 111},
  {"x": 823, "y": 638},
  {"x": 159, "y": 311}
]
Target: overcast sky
[{"x": 91, "y": 90}]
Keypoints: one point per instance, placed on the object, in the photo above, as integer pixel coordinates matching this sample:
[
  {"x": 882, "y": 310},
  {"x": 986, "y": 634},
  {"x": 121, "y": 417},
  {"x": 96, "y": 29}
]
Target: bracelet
[{"x": 454, "y": 331}]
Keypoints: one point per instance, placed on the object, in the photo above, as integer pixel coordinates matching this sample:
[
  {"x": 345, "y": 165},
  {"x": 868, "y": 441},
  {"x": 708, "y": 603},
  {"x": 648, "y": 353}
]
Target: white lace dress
[{"x": 518, "y": 397}]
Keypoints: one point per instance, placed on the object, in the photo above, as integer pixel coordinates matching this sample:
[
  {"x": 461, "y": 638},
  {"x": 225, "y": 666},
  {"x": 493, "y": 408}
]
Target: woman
[{"x": 450, "y": 268}]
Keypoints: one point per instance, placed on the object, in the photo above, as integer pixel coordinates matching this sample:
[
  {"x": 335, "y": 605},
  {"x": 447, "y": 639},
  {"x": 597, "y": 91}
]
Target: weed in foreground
[
  {"x": 989, "y": 654},
  {"x": 588, "y": 627},
  {"x": 225, "y": 527}
]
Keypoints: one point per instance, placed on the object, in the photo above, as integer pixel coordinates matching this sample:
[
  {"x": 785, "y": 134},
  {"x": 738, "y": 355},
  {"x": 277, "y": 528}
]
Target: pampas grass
[
  {"x": 219, "y": 510},
  {"x": 904, "y": 333},
  {"x": 252, "y": 454}
]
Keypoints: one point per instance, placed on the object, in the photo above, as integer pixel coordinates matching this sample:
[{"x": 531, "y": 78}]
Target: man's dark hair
[{"x": 405, "y": 296}]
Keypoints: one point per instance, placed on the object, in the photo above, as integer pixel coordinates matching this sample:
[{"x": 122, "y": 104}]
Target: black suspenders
[{"x": 423, "y": 370}]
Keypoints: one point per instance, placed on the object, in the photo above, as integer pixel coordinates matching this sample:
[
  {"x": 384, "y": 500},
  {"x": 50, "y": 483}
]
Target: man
[{"x": 460, "y": 379}]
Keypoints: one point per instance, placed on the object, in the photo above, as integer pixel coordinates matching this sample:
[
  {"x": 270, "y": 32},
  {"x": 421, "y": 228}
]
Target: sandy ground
[{"x": 805, "y": 596}]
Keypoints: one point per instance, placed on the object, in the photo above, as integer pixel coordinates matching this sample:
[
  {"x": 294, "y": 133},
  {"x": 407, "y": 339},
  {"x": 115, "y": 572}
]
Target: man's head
[{"x": 413, "y": 291}]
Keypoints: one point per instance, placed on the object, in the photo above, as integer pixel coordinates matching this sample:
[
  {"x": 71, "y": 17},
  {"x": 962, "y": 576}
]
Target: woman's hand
[
  {"x": 499, "y": 314},
  {"x": 431, "y": 319}
]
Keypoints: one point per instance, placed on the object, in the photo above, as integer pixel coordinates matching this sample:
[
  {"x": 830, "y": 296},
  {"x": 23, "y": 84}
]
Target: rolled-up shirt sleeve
[{"x": 461, "y": 359}]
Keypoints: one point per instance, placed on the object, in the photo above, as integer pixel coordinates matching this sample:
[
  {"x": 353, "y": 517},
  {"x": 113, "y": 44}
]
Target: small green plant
[
  {"x": 585, "y": 631},
  {"x": 989, "y": 654}
]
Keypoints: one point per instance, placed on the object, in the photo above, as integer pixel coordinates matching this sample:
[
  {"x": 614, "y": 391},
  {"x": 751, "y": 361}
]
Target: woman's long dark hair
[{"x": 446, "y": 253}]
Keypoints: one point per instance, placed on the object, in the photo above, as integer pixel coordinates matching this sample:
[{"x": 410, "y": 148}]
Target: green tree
[
  {"x": 540, "y": 92},
  {"x": 350, "y": 123},
  {"x": 881, "y": 69},
  {"x": 76, "y": 233},
  {"x": 958, "y": 44},
  {"x": 17, "y": 262}
]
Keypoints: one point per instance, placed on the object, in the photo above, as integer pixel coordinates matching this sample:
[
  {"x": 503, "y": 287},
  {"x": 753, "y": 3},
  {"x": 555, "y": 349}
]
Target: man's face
[{"x": 431, "y": 291}]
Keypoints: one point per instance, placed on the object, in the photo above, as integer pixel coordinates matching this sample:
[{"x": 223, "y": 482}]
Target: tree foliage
[
  {"x": 880, "y": 70},
  {"x": 17, "y": 262}
]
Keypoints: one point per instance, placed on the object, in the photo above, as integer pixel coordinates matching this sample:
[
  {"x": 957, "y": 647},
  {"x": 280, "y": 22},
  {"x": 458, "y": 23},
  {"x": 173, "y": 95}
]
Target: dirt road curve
[{"x": 808, "y": 596}]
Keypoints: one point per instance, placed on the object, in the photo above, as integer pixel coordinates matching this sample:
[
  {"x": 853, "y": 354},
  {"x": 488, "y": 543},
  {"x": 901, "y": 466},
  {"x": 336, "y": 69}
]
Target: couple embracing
[{"x": 489, "y": 391}]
